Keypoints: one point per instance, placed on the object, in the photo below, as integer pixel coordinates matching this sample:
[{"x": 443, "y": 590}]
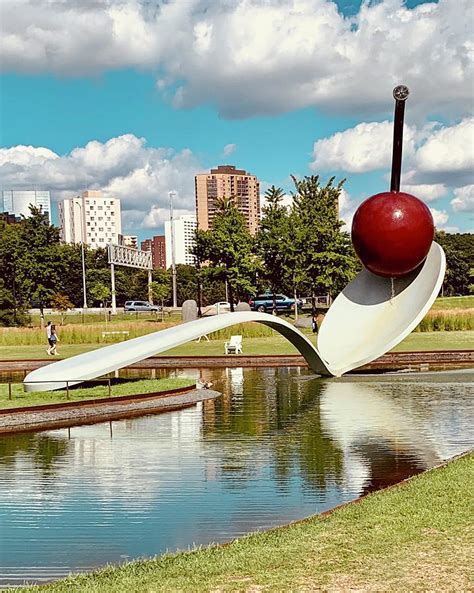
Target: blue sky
[{"x": 135, "y": 98}]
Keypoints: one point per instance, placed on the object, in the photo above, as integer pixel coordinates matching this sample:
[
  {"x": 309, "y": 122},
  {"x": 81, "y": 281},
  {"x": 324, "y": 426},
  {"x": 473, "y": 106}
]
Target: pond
[{"x": 279, "y": 445}]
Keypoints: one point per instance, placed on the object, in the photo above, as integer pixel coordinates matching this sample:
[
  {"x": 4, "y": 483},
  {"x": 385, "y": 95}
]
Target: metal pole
[
  {"x": 171, "y": 194},
  {"x": 84, "y": 291},
  {"x": 112, "y": 281},
  {"x": 150, "y": 292},
  {"x": 400, "y": 94}
]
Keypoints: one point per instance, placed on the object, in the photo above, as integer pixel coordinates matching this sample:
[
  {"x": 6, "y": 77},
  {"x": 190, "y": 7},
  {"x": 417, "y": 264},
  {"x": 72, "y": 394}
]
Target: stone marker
[
  {"x": 189, "y": 310},
  {"x": 242, "y": 307}
]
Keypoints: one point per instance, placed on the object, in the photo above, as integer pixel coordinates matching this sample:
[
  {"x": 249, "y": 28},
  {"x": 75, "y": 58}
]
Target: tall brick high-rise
[
  {"x": 157, "y": 246},
  {"x": 227, "y": 181}
]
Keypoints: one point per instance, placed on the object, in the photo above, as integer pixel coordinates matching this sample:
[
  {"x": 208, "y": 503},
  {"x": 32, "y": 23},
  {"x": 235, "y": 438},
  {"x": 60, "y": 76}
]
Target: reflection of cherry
[{"x": 392, "y": 233}]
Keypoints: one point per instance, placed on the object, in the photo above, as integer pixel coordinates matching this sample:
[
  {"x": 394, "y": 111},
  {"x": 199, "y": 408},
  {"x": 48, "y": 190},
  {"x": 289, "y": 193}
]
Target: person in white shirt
[{"x": 48, "y": 335}]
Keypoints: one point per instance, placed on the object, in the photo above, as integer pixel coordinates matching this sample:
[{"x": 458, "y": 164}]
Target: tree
[
  {"x": 13, "y": 303},
  {"x": 160, "y": 291},
  {"x": 38, "y": 266},
  {"x": 228, "y": 247},
  {"x": 60, "y": 302},
  {"x": 100, "y": 292},
  {"x": 200, "y": 250},
  {"x": 272, "y": 241},
  {"x": 323, "y": 258},
  {"x": 459, "y": 250}
]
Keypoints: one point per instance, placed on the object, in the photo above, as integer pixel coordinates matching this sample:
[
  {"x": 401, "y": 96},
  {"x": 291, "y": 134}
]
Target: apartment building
[
  {"x": 184, "y": 229},
  {"x": 17, "y": 201},
  {"x": 90, "y": 218},
  {"x": 227, "y": 181},
  {"x": 129, "y": 241},
  {"x": 157, "y": 246}
]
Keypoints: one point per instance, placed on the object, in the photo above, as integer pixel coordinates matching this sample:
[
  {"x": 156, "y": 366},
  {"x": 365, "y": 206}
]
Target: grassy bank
[
  {"x": 20, "y": 398},
  {"x": 272, "y": 344},
  {"x": 415, "y": 537},
  {"x": 446, "y": 303}
]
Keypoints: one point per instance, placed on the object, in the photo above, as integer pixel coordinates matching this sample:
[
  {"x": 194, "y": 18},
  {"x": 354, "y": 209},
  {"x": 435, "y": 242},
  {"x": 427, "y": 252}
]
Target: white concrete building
[
  {"x": 184, "y": 228},
  {"x": 90, "y": 218},
  {"x": 130, "y": 241},
  {"x": 17, "y": 201}
]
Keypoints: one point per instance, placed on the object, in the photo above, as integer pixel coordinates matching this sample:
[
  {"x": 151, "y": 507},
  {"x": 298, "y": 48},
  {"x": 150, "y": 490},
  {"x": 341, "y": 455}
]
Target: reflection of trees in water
[
  {"x": 43, "y": 449},
  {"x": 280, "y": 409}
]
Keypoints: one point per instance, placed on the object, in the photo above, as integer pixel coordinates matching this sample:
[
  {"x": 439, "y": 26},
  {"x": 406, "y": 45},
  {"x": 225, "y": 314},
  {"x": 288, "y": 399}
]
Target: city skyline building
[
  {"x": 157, "y": 246},
  {"x": 229, "y": 182},
  {"x": 17, "y": 201},
  {"x": 130, "y": 241},
  {"x": 90, "y": 218},
  {"x": 184, "y": 229}
]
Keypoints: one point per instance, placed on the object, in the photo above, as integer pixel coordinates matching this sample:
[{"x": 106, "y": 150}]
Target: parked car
[
  {"x": 141, "y": 306},
  {"x": 216, "y": 308},
  {"x": 264, "y": 302}
]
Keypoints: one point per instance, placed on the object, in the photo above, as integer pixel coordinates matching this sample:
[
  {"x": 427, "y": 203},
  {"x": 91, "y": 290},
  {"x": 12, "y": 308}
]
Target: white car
[{"x": 216, "y": 308}]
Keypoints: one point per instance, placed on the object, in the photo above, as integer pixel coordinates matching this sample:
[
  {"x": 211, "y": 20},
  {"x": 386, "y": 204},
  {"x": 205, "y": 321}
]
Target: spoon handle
[{"x": 400, "y": 94}]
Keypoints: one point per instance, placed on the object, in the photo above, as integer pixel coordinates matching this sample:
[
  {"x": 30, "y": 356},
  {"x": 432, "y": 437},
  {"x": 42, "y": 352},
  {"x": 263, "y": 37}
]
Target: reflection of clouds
[{"x": 124, "y": 462}]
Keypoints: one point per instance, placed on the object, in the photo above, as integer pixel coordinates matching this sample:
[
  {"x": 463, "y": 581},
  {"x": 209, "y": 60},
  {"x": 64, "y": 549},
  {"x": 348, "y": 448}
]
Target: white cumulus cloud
[
  {"x": 124, "y": 167},
  {"x": 464, "y": 199},
  {"x": 426, "y": 192},
  {"x": 250, "y": 57},
  {"x": 440, "y": 217},
  {"x": 366, "y": 147},
  {"x": 435, "y": 156}
]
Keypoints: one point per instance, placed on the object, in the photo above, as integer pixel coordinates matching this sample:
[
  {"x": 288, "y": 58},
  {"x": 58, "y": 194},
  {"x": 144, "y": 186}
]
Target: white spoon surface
[
  {"x": 373, "y": 314},
  {"x": 364, "y": 322}
]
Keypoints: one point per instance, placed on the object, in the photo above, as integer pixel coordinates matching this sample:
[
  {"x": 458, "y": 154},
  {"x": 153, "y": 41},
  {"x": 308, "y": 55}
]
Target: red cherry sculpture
[{"x": 392, "y": 233}]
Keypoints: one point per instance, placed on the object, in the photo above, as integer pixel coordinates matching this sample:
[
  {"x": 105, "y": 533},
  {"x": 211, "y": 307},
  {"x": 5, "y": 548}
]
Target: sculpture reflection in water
[{"x": 389, "y": 431}]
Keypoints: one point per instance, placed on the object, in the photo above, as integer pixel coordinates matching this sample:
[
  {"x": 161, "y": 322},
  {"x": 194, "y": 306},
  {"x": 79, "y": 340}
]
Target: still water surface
[{"x": 278, "y": 446}]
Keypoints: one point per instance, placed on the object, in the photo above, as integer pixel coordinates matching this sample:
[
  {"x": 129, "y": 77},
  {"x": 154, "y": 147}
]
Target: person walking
[
  {"x": 48, "y": 336},
  {"x": 314, "y": 323},
  {"x": 54, "y": 340}
]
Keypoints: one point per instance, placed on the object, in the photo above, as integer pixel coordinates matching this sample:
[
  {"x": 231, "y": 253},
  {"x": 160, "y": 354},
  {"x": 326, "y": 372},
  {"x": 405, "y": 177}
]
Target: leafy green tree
[
  {"x": 459, "y": 250},
  {"x": 39, "y": 265},
  {"x": 228, "y": 247},
  {"x": 201, "y": 250},
  {"x": 13, "y": 302},
  {"x": 160, "y": 291},
  {"x": 60, "y": 302},
  {"x": 323, "y": 257},
  {"x": 273, "y": 239},
  {"x": 100, "y": 292}
]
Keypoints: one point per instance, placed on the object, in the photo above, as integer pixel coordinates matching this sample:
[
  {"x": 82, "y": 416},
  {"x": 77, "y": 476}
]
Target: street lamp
[
  {"x": 171, "y": 195},
  {"x": 84, "y": 306}
]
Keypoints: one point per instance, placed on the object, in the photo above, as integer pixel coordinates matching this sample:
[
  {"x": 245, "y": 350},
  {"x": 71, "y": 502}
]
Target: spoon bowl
[{"x": 373, "y": 313}]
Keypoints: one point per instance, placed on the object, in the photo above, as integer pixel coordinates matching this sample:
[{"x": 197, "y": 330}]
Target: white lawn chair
[{"x": 234, "y": 345}]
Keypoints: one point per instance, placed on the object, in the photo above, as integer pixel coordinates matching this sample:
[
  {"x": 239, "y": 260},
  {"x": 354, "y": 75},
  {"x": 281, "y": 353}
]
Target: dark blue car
[{"x": 264, "y": 302}]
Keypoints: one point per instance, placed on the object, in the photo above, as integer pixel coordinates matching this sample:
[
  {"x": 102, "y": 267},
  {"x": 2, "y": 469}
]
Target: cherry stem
[{"x": 397, "y": 145}]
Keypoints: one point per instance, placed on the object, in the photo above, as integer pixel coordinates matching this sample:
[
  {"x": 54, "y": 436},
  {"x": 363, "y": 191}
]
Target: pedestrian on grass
[
  {"x": 54, "y": 340},
  {"x": 314, "y": 323},
  {"x": 48, "y": 336}
]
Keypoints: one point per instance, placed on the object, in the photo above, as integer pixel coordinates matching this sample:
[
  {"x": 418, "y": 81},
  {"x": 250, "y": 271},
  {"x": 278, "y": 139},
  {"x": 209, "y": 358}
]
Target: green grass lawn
[
  {"x": 20, "y": 398},
  {"x": 446, "y": 303},
  {"x": 415, "y": 537},
  {"x": 274, "y": 344}
]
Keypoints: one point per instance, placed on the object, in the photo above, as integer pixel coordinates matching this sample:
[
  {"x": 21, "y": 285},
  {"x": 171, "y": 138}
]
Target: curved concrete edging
[{"x": 92, "y": 411}]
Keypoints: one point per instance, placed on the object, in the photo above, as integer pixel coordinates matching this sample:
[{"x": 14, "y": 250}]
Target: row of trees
[
  {"x": 299, "y": 250},
  {"x": 37, "y": 270}
]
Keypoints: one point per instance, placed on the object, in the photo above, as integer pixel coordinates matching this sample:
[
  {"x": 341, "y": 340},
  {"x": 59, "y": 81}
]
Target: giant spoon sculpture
[{"x": 392, "y": 233}]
